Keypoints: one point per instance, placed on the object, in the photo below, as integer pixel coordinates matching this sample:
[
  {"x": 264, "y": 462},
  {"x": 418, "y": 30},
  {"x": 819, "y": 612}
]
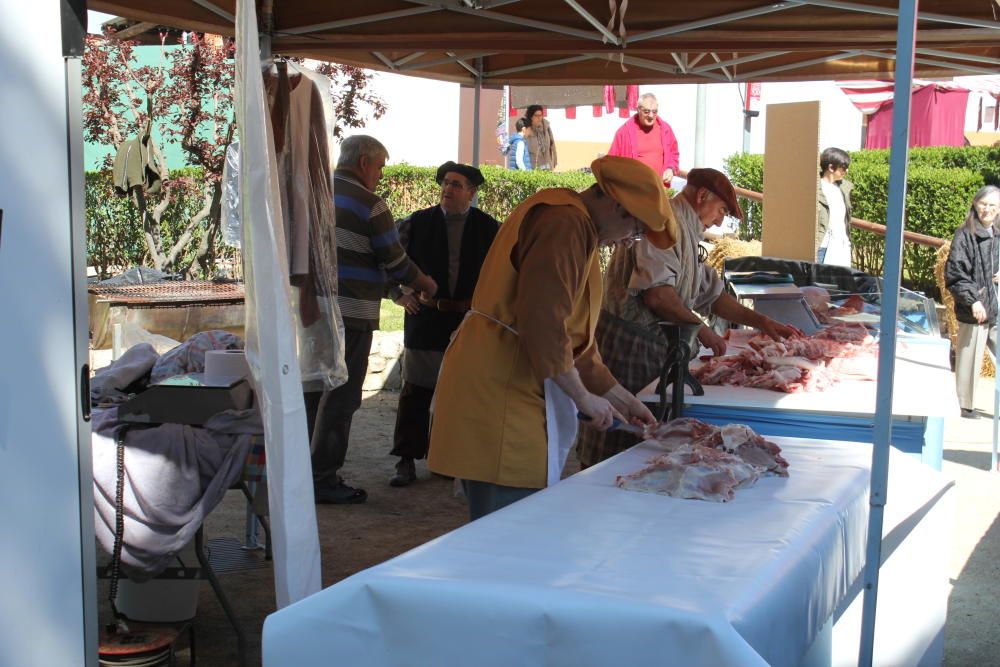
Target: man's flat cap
[
  {"x": 716, "y": 182},
  {"x": 640, "y": 191},
  {"x": 474, "y": 175}
]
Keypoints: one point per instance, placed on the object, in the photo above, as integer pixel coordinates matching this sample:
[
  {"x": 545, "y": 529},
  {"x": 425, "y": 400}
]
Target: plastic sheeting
[
  {"x": 296, "y": 105},
  {"x": 584, "y": 573},
  {"x": 270, "y": 335},
  {"x": 300, "y": 99}
]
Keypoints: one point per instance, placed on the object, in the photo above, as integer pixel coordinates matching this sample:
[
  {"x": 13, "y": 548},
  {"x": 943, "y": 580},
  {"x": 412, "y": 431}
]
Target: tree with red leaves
[
  {"x": 353, "y": 101},
  {"x": 189, "y": 99}
]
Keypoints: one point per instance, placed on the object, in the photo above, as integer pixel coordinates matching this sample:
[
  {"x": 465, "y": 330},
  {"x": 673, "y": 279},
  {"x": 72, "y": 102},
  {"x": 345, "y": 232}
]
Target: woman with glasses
[
  {"x": 833, "y": 209},
  {"x": 649, "y": 139},
  {"x": 970, "y": 274},
  {"x": 541, "y": 143}
]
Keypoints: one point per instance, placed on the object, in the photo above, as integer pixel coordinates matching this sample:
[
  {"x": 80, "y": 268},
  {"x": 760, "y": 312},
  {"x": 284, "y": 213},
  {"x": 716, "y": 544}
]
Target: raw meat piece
[
  {"x": 817, "y": 298},
  {"x": 692, "y": 471},
  {"x": 741, "y": 440},
  {"x": 681, "y": 431},
  {"x": 740, "y": 337},
  {"x": 738, "y": 439},
  {"x": 796, "y": 364}
]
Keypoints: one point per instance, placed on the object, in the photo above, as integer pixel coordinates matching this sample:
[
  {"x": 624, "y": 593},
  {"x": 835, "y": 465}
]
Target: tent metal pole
[
  {"x": 996, "y": 390},
  {"x": 475, "y": 112},
  {"x": 73, "y": 19},
  {"x": 701, "y": 102},
  {"x": 895, "y": 215},
  {"x": 267, "y": 29}
]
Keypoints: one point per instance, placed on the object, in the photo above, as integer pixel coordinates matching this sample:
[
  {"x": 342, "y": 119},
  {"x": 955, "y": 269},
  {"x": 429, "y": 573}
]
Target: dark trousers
[
  {"x": 485, "y": 498},
  {"x": 413, "y": 422},
  {"x": 329, "y": 412}
]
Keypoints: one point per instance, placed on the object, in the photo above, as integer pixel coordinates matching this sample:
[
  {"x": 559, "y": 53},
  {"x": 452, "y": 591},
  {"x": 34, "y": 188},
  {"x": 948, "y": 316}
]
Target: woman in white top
[{"x": 833, "y": 209}]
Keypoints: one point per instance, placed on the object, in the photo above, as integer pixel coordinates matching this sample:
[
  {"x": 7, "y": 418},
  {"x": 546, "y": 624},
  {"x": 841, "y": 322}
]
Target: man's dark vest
[{"x": 430, "y": 329}]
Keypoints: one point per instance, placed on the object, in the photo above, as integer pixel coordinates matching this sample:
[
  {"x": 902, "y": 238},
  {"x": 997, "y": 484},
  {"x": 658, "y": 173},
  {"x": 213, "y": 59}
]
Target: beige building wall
[
  {"x": 574, "y": 155},
  {"x": 490, "y": 102},
  {"x": 791, "y": 180}
]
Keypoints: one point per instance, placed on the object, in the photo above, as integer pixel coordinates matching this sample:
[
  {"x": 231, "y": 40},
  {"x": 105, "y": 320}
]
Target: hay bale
[
  {"x": 987, "y": 368},
  {"x": 728, "y": 247}
]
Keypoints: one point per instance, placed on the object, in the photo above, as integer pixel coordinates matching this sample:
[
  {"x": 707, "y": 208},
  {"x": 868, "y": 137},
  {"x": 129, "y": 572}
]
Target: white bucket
[
  {"x": 158, "y": 600},
  {"x": 162, "y": 600}
]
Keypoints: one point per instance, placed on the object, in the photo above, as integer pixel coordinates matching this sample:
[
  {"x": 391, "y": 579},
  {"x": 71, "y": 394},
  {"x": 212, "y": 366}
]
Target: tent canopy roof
[{"x": 580, "y": 42}]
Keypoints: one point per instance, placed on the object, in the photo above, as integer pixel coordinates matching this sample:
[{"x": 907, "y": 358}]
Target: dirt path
[{"x": 396, "y": 520}]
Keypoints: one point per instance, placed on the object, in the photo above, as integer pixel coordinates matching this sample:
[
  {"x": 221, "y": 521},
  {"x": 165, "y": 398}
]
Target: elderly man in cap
[
  {"x": 524, "y": 361},
  {"x": 448, "y": 242},
  {"x": 646, "y": 284}
]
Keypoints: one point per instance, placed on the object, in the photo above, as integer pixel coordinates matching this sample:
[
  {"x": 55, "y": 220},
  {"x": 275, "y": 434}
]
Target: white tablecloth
[{"x": 584, "y": 573}]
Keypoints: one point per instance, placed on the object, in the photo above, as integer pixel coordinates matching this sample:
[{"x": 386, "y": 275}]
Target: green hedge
[
  {"x": 114, "y": 227},
  {"x": 940, "y": 185},
  {"x": 114, "y": 230},
  {"x": 406, "y": 188}
]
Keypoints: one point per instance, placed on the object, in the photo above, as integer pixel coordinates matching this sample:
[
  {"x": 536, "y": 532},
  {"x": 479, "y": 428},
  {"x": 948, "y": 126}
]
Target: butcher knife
[{"x": 616, "y": 425}]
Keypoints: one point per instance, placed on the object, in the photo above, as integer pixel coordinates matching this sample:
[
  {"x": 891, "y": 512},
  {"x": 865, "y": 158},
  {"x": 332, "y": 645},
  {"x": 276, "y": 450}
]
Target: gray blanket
[{"x": 174, "y": 476}]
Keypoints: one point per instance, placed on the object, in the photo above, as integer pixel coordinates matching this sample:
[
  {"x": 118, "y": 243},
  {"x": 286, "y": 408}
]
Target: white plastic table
[{"x": 585, "y": 573}]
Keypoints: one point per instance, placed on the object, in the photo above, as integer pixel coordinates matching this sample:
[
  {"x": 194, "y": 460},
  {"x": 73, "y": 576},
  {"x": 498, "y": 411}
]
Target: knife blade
[{"x": 616, "y": 425}]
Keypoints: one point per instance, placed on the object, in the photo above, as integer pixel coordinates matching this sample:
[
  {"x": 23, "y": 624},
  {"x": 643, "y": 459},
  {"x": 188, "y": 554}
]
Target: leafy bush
[
  {"x": 746, "y": 170},
  {"x": 941, "y": 182},
  {"x": 114, "y": 226},
  {"x": 937, "y": 200}
]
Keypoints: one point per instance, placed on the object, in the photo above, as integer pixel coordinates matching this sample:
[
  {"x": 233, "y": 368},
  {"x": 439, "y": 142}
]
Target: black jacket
[
  {"x": 968, "y": 274},
  {"x": 427, "y": 245}
]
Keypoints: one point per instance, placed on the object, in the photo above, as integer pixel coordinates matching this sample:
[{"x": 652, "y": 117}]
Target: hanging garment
[
  {"x": 308, "y": 218},
  {"x": 137, "y": 165}
]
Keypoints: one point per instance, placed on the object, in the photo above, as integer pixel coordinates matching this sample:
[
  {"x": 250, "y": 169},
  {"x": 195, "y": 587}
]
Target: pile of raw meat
[
  {"x": 705, "y": 462},
  {"x": 852, "y": 305},
  {"x": 812, "y": 363}
]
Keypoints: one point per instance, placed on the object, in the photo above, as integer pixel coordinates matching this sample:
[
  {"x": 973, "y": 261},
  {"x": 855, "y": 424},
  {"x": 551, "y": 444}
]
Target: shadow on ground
[
  {"x": 973, "y": 593},
  {"x": 973, "y": 459}
]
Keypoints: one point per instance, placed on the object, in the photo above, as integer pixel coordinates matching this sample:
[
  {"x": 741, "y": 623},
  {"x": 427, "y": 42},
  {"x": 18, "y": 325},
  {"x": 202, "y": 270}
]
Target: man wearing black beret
[{"x": 449, "y": 242}]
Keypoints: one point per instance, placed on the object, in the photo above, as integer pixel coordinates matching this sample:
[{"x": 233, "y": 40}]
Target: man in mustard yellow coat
[{"x": 524, "y": 360}]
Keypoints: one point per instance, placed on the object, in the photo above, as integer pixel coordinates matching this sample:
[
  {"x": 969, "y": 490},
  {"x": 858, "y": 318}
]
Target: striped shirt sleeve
[{"x": 386, "y": 245}]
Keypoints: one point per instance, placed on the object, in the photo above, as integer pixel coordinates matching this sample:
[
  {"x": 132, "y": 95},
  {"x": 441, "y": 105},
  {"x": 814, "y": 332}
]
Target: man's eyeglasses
[
  {"x": 455, "y": 184},
  {"x": 648, "y": 112}
]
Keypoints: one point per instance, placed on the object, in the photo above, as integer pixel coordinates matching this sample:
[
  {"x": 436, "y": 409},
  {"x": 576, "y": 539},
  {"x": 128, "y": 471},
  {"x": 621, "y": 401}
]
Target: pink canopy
[{"x": 937, "y": 118}]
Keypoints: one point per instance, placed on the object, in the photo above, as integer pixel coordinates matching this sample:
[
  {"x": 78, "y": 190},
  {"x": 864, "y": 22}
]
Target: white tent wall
[
  {"x": 839, "y": 119},
  {"x": 48, "y": 610}
]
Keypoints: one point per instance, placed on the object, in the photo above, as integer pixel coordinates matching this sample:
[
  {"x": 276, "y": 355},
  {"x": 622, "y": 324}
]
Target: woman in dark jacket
[{"x": 971, "y": 276}]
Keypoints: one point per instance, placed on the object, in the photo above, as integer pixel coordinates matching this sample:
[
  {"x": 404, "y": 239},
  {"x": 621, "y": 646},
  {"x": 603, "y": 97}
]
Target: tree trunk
[{"x": 150, "y": 227}]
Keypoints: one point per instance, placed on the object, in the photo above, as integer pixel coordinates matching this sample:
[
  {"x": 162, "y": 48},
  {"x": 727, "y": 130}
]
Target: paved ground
[
  {"x": 395, "y": 520},
  {"x": 974, "y": 604}
]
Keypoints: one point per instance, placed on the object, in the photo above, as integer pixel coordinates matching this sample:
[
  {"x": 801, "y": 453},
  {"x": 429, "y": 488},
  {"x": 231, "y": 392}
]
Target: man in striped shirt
[{"x": 368, "y": 254}]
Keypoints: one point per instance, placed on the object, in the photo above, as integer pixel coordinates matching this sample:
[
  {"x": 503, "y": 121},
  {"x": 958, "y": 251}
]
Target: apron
[{"x": 561, "y": 422}]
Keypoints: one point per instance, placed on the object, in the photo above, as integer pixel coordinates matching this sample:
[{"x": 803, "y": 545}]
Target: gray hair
[
  {"x": 355, "y": 146},
  {"x": 972, "y": 219},
  {"x": 647, "y": 96}
]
